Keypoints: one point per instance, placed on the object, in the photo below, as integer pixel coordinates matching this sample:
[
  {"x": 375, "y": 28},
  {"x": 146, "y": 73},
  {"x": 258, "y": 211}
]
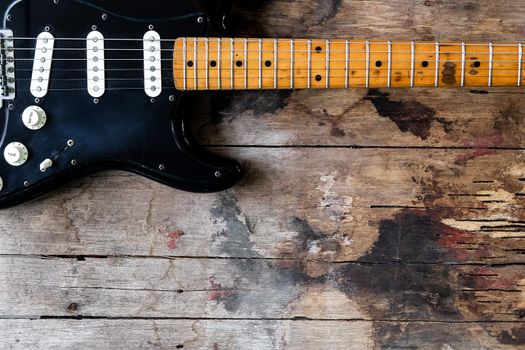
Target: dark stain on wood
[
  {"x": 514, "y": 336},
  {"x": 409, "y": 116},
  {"x": 230, "y": 105},
  {"x": 449, "y": 73}
]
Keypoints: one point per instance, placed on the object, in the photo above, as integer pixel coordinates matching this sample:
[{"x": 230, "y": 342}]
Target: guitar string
[{"x": 319, "y": 42}]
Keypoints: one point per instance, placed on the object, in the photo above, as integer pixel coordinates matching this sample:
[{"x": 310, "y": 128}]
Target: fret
[
  {"x": 491, "y": 64},
  {"x": 232, "y": 69},
  {"x": 245, "y": 64},
  {"x": 206, "y": 62},
  {"x": 367, "y": 63},
  {"x": 275, "y": 62},
  {"x": 412, "y": 62},
  {"x": 195, "y": 64},
  {"x": 436, "y": 81},
  {"x": 327, "y": 71},
  {"x": 309, "y": 79},
  {"x": 389, "y": 73},
  {"x": 219, "y": 63},
  {"x": 463, "y": 64},
  {"x": 260, "y": 65},
  {"x": 291, "y": 64},
  {"x": 346, "y": 63},
  {"x": 184, "y": 59},
  {"x": 520, "y": 62}
]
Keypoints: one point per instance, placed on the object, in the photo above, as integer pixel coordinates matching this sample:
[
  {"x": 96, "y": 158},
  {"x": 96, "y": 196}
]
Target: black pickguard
[{"x": 125, "y": 129}]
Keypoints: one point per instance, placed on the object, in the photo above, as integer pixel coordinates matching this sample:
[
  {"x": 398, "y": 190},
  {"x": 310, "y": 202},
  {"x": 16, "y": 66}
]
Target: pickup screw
[
  {"x": 151, "y": 27},
  {"x": 70, "y": 143},
  {"x": 37, "y": 100},
  {"x": 162, "y": 167},
  {"x": 96, "y": 101},
  {"x": 47, "y": 28},
  {"x": 94, "y": 27},
  {"x": 218, "y": 174},
  {"x": 56, "y": 2},
  {"x": 104, "y": 16},
  {"x": 200, "y": 20},
  {"x": 152, "y": 100}
]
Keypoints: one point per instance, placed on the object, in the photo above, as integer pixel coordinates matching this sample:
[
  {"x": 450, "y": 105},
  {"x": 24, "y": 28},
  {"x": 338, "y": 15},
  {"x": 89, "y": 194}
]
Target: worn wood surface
[{"x": 367, "y": 219}]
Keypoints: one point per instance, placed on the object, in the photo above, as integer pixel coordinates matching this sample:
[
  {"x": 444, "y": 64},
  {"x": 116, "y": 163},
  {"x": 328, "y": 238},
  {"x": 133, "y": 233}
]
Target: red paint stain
[
  {"x": 487, "y": 278},
  {"x": 217, "y": 291},
  {"x": 455, "y": 241},
  {"x": 482, "y": 147},
  {"x": 173, "y": 238}
]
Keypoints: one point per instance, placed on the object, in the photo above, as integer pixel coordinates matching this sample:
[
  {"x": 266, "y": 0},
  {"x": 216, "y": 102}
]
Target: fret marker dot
[
  {"x": 268, "y": 63},
  {"x": 318, "y": 78},
  {"x": 379, "y": 64},
  {"x": 213, "y": 63},
  {"x": 238, "y": 63},
  {"x": 477, "y": 64},
  {"x": 318, "y": 49},
  {"x": 190, "y": 64},
  {"x": 424, "y": 64}
]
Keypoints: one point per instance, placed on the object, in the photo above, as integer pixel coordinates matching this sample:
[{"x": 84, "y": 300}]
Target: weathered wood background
[{"x": 367, "y": 219}]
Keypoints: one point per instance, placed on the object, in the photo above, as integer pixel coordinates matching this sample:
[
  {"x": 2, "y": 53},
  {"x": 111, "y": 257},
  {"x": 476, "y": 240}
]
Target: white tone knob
[
  {"x": 34, "y": 117},
  {"x": 46, "y": 164},
  {"x": 1, "y": 184},
  {"x": 16, "y": 154}
]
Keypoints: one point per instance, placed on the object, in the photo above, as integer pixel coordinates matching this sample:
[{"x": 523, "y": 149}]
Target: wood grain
[{"x": 367, "y": 219}]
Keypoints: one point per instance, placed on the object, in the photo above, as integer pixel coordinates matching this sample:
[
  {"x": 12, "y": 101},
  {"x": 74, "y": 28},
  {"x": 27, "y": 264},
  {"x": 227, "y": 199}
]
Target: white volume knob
[
  {"x": 34, "y": 117},
  {"x": 1, "y": 184},
  {"x": 16, "y": 154}
]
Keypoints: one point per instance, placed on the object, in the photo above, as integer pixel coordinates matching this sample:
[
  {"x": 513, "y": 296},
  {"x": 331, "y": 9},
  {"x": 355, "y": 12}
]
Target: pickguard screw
[
  {"x": 47, "y": 28},
  {"x": 94, "y": 27},
  {"x": 200, "y": 20},
  {"x": 27, "y": 183},
  {"x": 172, "y": 98},
  {"x": 162, "y": 167},
  {"x": 70, "y": 143},
  {"x": 11, "y": 107},
  {"x": 96, "y": 101},
  {"x": 218, "y": 174},
  {"x": 152, "y": 100},
  {"x": 37, "y": 100},
  {"x": 151, "y": 27},
  {"x": 9, "y": 18},
  {"x": 104, "y": 16},
  {"x": 56, "y": 2},
  {"x": 73, "y": 162}
]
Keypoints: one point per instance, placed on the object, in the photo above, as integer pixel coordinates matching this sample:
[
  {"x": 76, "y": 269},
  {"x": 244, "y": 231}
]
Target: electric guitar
[{"x": 91, "y": 85}]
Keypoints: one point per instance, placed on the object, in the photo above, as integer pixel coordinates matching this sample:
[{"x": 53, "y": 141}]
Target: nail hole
[{"x": 180, "y": 346}]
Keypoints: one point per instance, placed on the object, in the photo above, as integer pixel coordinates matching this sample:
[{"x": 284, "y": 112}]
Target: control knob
[
  {"x": 34, "y": 117},
  {"x": 16, "y": 154}
]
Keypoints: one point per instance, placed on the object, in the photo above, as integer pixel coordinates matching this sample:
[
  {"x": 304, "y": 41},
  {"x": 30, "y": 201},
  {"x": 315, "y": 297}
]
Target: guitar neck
[{"x": 250, "y": 64}]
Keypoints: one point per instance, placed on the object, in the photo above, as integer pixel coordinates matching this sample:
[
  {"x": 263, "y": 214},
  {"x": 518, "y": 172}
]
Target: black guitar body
[{"x": 123, "y": 129}]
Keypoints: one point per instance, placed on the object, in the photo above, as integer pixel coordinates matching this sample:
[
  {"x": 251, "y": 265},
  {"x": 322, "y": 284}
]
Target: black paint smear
[
  {"x": 228, "y": 106},
  {"x": 409, "y": 116},
  {"x": 516, "y": 336}
]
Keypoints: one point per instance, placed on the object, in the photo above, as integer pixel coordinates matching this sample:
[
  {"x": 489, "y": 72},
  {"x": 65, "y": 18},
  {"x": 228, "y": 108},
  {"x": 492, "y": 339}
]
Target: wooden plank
[
  {"x": 257, "y": 289},
  {"x": 263, "y": 334},
  {"x": 396, "y": 118},
  {"x": 469, "y": 203}
]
